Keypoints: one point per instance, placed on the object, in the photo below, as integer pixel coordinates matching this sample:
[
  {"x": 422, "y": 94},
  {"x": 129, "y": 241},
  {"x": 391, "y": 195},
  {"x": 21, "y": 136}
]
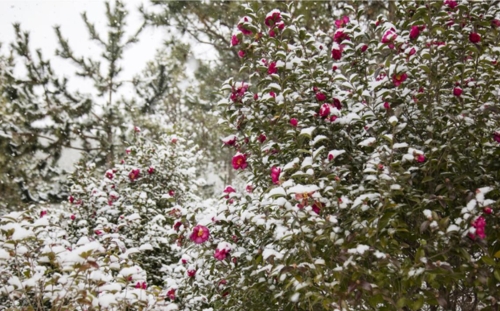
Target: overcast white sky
[{"x": 39, "y": 16}]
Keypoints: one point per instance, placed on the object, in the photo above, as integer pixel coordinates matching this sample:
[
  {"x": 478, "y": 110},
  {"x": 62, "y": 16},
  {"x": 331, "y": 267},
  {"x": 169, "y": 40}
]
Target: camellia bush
[{"x": 371, "y": 154}]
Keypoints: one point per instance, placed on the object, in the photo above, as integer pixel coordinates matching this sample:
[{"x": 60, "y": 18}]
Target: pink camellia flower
[
  {"x": 272, "y": 18},
  {"x": 171, "y": 193},
  {"x": 255, "y": 96},
  {"x": 173, "y": 140},
  {"x": 339, "y": 23},
  {"x": 221, "y": 254},
  {"x": 230, "y": 140},
  {"x": 495, "y": 23},
  {"x": 191, "y": 273},
  {"x": 337, "y": 104},
  {"x": 399, "y": 78},
  {"x": 240, "y": 161},
  {"x": 98, "y": 232},
  {"x": 200, "y": 234},
  {"x": 487, "y": 210},
  {"x": 272, "y": 94},
  {"x": 234, "y": 40},
  {"x": 420, "y": 158},
  {"x": 389, "y": 37},
  {"x": 333, "y": 118},
  {"x": 238, "y": 91},
  {"x": 340, "y": 36},
  {"x": 271, "y": 33},
  {"x": 457, "y": 91},
  {"x": 151, "y": 170},
  {"x": 177, "y": 226},
  {"x": 141, "y": 285},
  {"x": 43, "y": 213},
  {"x": 127, "y": 151},
  {"x": 272, "y": 69},
  {"x": 387, "y": 106},
  {"x": 294, "y": 122},
  {"x": 262, "y": 138},
  {"x": 412, "y": 52},
  {"x": 334, "y": 68},
  {"x": 451, "y": 4},
  {"x": 241, "y": 26},
  {"x": 137, "y": 129},
  {"x": 71, "y": 199},
  {"x": 249, "y": 188},
  {"x": 73, "y": 217},
  {"x": 109, "y": 174},
  {"x": 337, "y": 52},
  {"x": 184, "y": 261},
  {"x": 229, "y": 189},
  {"x": 474, "y": 37},
  {"x": 281, "y": 25},
  {"x": 364, "y": 48},
  {"x": 316, "y": 207},
  {"x": 275, "y": 175},
  {"x": 479, "y": 224},
  {"x": 171, "y": 294},
  {"x": 320, "y": 96},
  {"x": 496, "y": 137},
  {"x": 241, "y": 53},
  {"x": 134, "y": 174},
  {"x": 414, "y": 32},
  {"x": 324, "y": 111}
]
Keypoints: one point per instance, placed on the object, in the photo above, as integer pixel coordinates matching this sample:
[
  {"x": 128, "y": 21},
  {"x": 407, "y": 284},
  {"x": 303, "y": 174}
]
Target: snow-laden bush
[
  {"x": 375, "y": 174},
  {"x": 42, "y": 270}
]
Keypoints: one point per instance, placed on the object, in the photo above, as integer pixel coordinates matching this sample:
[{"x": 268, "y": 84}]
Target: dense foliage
[{"x": 368, "y": 153}]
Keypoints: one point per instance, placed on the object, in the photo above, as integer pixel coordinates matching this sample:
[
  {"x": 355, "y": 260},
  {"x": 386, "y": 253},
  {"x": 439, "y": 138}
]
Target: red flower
[
  {"x": 272, "y": 18},
  {"x": 184, "y": 261},
  {"x": 151, "y": 170},
  {"x": 171, "y": 193},
  {"x": 316, "y": 207},
  {"x": 109, "y": 174},
  {"x": 200, "y": 234},
  {"x": 241, "y": 27},
  {"x": 324, "y": 111},
  {"x": 294, "y": 122},
  {"x": 339, "y": 23},
  {"x": 137, "y": 129},
  {"x": 234, "y": 40},
  {"x": 262, "y": 138},
  {"x": 412, "y": 51},
  {"x": 495, "y": 23},
  {"x": 457, "y": 91},
  {"x": 334, "y": 67},
  {"x": 414, "y": 32},
  {"x": 240, "y": 161},
  {"x": 238, "y": 92},
  {"x": 221, "y": 254},
  {"x": 451, "y": 3},
  {"x": 98, "y": 232},
  {"x": 191, "y": 273},
  {"x": 337, "y": 104},
  {"x": 241, "y": 53},
  {"x": 71, "y": 199},
  {"x": 229, "y": 189},
  {"x": 363, "y": 48},
  {"x": 141, "y": 285},
  {"x": 249, "y": 188},
  {"x": 272, "y": 34},
  {"x": 387, "y": 106},
  {"x": 171, "y": 294},
  {"x": 474, "y": 37},
  {"x": 337, "y": 52},
  {"x": 272, "y": 94},
  {"x": 173, "y": 140},
  {"x": 479, "y": 224},
  {"x": 340, "y": 36},
  {"x": 73, "y": 217},
  {"x": 399, "y": 78},
  {"x": 275, "y": 174},
  {"x": 389, "y": 37},
  {"x": 229, "y": 141},
  {"x": 281, "y": 25},
  {"x": 496, "y": 137},
  {"x": 487, "y": 210},
  {"x": 43, "y": 213},
  {"x": 134, "y": 174},
  {"x": 420, "y": 158},
  {"x": 320, "y": 96},
  {"x": 177, "y": 226},
  {"x": 272, "y": 68}
]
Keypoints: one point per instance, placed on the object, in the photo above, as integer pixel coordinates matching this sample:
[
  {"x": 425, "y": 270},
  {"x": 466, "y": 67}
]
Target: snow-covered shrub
[
  {"x": 42, "y": 270},
  {"x": 146, "y": 199},
  {"x": 372, "y": 151}
]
